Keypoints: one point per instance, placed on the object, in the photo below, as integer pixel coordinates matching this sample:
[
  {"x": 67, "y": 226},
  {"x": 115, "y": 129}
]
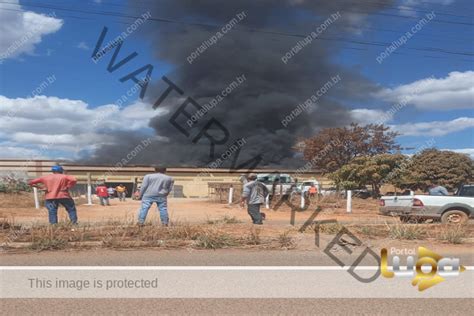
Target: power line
[
  {"x": 250, "y": 30},
  {"x": 343, "y": 24},
  {"x": 377, "y": 4},
  {"x": 374, "y": 4},
  {"x": 344, "y": 10}
]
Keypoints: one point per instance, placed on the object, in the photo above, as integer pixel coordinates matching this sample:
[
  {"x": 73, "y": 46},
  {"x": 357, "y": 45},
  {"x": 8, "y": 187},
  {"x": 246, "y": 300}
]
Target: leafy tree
[
  {"x": 368, "y": 170},
  {"x": 13, "y": 184},
  {"x": 333, "y": 148},
  {"x": 433, "y": 166}
]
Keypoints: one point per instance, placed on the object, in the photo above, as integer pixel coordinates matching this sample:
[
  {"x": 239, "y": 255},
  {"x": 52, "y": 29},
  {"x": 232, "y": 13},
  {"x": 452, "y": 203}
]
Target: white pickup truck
[
  {"x": 414, "y": 208},
  {"x": 277, "y": 183}
]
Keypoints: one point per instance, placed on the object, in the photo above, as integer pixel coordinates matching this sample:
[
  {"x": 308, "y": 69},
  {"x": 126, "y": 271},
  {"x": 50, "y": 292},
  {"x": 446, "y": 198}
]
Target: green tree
[
  {"x": 437, "y": 167},
  {"x": 369, "y": 170}
]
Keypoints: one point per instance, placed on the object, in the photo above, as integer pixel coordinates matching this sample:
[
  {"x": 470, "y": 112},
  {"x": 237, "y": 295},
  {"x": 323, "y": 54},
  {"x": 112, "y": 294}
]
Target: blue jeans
[
  {"x": 104, "y": 200},
  {"x": 147, "y": 202},
  {"x": 52, "y": 206}
]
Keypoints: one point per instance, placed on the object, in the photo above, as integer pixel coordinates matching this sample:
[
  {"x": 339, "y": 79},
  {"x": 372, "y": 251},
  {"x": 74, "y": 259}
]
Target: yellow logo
[{"x": 423, "y": 279}]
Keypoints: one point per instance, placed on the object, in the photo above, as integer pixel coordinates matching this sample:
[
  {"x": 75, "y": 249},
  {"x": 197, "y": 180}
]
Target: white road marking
[{"x": 196, "y": 268}]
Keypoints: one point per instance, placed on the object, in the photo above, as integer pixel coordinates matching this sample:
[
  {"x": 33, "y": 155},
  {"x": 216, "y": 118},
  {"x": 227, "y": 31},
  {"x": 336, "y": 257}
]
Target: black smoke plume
[{"x": 272, "y": 90}]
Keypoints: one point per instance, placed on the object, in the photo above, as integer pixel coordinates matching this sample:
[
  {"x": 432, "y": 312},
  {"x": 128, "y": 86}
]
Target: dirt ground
[
  {"x": 364, "y": 220},
  {"x": 194, "y": 211}
]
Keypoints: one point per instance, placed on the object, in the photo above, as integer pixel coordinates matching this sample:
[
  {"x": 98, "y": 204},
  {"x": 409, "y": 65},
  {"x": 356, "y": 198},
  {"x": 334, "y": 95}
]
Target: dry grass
[
  {"x": 371, "y": 231},
  {"x": 285, "y": 241},
  {"x": 368, "y": 231},
  {"x": 330, "y": 229},
  {"x": 185, "y": 231},
  {"x": 49, "y": 244},
  {"x": 406, "y": 231},
  {"x": 49, "y": 238},
  {"x": 17, "y": 200},
  {"x": 212, "y": 238},
  {"x": 453, "y": 234},
  {"x": 253, "y": 238},
  {"x": 226, "y": 219},
  {"x": 5, "y": 224}
]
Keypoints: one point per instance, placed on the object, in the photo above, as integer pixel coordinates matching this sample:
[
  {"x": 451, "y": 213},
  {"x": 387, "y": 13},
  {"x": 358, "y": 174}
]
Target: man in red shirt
[
  {"x": 103, "y": 194},
  {"x": 56, "y": 186}
]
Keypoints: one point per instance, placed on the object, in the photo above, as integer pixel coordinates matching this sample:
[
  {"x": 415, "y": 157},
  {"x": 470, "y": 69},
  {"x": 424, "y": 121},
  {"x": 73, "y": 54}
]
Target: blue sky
[{"x": 63, "y": 48}]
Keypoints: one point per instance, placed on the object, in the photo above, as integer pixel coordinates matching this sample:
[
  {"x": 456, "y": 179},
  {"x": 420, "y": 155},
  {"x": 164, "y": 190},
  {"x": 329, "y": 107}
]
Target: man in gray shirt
[
  {"x": 155, "y": 189},
  {"x": 254, "y": 194}
]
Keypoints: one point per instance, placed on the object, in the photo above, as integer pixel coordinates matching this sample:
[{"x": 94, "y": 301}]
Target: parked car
[
  {"x": 277, "y": 183},
  {"x": 304, "y": 186},
  {"x": 449, "y": 209},
  {"x": 330, "y": 191},
  {"x": 362, "y": 193}
]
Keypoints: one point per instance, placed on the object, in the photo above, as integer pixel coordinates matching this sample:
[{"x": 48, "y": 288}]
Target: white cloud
[
  {"x": 21, "y": 30},
  {"x": 408, "y": 7},
  {"x": 456, "y": 91},
  {"x": 434, "y": 128},
  {"x": 370, "y": 116},
  {"x": 68, "y": 124},
  {"x": 83, "y": 45},
  {"x": 467, "y": 151},
  {"x": 17, "y": 151}
]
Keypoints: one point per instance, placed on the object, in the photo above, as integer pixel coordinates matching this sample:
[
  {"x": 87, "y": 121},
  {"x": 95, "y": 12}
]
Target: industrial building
[{"x": 189, "y": 182}]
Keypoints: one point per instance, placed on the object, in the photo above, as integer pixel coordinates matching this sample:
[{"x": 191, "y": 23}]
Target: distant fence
[{"x": 219, "y": 191}]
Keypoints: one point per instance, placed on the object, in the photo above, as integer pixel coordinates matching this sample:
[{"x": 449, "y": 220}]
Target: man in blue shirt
[{"x": 437, "y": 190}]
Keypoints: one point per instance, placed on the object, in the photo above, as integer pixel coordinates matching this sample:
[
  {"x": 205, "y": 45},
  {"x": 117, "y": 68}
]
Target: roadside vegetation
[
  {"x": 453, "y": 234},
  {"x": 128, "y": 235},
  {"x": 222, "y": 233}
]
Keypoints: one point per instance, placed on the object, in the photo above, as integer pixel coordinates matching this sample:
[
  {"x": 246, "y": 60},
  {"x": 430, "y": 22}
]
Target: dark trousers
[
  {"x": 121, "y": 196},
  {"x": 52, "y": 206},
  {"x": 254, "y": 212}
]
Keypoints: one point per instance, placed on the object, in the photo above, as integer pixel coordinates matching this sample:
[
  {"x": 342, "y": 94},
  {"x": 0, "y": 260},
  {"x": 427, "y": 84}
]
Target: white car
[
  {"x": 304, "y": 186},
  {"x": 454, "y": 209}
]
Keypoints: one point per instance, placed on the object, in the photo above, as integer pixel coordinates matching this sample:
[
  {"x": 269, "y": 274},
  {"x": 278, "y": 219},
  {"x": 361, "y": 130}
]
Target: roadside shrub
[
  {"x": 48, "y": 244},
  {"x": 286, "y": 241},
  {"x": 406, "y": 231},
  {"x": 13, "y": 184},
  {"x": 453, "y": 234},
  {"x": 330, "y": 229},
  {"x": 214, "y": 239},
  {"x": 184, "y": 232},
  {"x": 253, "y": 238},
  {"x": 368, "y": 231}
]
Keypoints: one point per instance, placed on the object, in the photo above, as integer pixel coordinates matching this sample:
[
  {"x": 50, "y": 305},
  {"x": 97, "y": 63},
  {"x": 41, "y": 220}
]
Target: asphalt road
[
  {"x": 237, "y": 307},
  {"x": 221, "y": 257}
]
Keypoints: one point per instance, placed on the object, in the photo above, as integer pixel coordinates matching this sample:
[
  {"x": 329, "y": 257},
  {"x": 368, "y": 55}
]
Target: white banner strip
[{"x": 219, "y": 282}]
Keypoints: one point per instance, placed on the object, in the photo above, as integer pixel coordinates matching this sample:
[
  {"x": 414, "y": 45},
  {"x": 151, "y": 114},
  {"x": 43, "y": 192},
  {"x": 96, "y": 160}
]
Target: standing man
[
  {"x": 437, "y": 190},
  {"x": 103, "y": 194},
  {"x": 57, "y": 187},
  {"x": 111, "y": 192},
  {"x": 155, "y": 189},
  {"x": 254, "y": 194},
  {"x": 121, "y": 192}
]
